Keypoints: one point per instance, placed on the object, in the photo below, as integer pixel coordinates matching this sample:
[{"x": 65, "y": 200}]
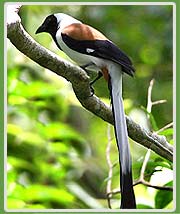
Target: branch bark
[{"x": 80, "y": 83}]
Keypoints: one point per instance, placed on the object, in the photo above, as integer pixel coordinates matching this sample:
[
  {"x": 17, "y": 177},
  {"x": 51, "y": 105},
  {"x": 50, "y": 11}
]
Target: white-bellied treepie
[{"x": 90, "y": 48}]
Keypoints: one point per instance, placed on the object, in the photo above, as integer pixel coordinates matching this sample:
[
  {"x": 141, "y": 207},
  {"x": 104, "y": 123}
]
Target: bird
[{"x": 90, "y": 48}]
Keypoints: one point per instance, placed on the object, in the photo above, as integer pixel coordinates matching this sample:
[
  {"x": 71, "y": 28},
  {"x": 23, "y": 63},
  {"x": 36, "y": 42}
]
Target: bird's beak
[{"x": 41, "y": 29}]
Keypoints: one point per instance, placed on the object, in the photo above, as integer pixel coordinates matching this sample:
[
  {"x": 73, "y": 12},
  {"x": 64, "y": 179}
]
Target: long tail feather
[{"x": 126, "y": 183}]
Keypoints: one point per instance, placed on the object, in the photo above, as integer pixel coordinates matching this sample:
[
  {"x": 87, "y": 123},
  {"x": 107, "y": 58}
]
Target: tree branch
[{"x": 80, "y": 83}]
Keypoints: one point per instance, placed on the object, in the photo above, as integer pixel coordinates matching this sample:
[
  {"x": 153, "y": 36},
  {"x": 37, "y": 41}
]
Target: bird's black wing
[{"x": 104, "y": 49}]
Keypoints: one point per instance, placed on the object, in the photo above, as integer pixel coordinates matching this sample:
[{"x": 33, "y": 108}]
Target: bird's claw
[{"x": 92, "y": 91}]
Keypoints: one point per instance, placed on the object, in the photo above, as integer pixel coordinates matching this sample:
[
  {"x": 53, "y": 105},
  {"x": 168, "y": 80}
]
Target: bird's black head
[{"x": 49, "y": 25}]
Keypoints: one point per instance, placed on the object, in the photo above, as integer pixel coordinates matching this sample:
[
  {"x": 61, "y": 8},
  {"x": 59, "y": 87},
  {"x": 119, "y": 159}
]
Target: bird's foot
[
  {"x": 92, "y": 91},
  {"x": 86, "y": 65}
]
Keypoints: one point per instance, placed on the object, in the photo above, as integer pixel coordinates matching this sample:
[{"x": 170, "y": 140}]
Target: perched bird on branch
[{"x": 89, "y": 48}]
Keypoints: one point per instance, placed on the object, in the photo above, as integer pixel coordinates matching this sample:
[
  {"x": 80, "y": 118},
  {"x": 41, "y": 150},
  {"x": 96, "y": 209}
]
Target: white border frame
[{"x": 174, "y": 108}]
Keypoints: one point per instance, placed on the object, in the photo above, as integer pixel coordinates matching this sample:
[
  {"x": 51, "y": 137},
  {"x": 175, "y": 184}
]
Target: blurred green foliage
[{"x": 56, "y": 149}]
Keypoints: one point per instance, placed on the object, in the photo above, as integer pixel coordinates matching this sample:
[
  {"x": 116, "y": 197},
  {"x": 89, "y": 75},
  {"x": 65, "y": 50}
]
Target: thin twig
[
  {"x": 110, "y": 166},
  {"x": 141, "y": 179},
  {"x": 149, "y": 101},
  {"x": 144, "y": 165},
  {"x": 165, "y": 127},
  {"x": 159, "y": 102}
]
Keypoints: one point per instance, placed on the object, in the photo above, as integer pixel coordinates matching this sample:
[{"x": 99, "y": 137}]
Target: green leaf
[
  {"x": 151, "y": 118},
  {"x": 19, "y": 163},
  {"x": 143, "y": 206},
  {"x": 35, "y": 206},
  {"x": 14, "y": 129},
  {"x": 163, "y": 197},
  {"x": 166, "y": 132},
  {"x": 16, "y": 100},
  {"x": 44, "y": 193},
  {"x": 59, "y": 132},
  {"x": 13, "y": 203},
  {"x": 154, "y": 163}
]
